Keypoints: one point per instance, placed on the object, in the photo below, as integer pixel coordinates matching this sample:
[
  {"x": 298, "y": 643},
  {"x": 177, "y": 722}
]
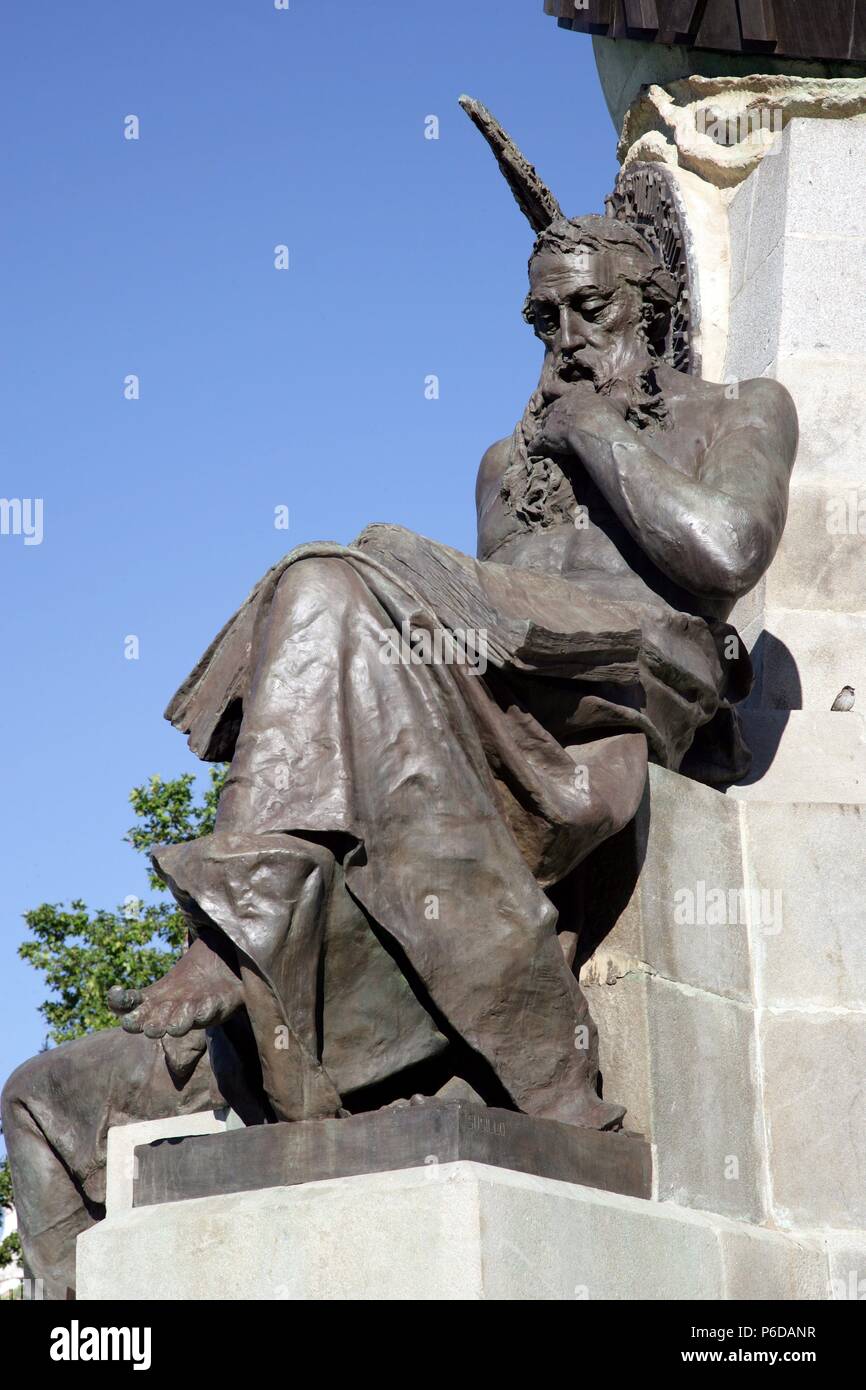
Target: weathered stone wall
[
  {"x": 798, "y": 295},
  {"x": 730, "y": 1000},
  {"x": 731, "y": 995}
]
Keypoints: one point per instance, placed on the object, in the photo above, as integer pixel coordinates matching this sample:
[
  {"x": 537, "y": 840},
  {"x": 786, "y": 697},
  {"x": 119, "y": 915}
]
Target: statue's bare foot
[
  {"x": 588, "y": 1111},
  {"x": 200, "y": 990},
  {"x": 404, "y": 1102}
]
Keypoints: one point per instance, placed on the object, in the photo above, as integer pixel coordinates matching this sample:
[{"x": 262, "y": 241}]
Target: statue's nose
[{"x": 571, "y": 331}]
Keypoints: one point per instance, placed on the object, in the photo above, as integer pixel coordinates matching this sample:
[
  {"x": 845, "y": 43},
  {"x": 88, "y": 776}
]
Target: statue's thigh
[{"x": 76, "y": 1092}]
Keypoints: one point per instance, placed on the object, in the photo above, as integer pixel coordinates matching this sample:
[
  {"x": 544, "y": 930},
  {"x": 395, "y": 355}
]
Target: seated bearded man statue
[{"x": 375, "y": 890}]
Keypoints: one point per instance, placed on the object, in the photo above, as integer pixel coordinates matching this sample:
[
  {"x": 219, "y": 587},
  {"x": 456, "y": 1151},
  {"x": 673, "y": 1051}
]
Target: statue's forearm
[{"x": 702, "y": 538}]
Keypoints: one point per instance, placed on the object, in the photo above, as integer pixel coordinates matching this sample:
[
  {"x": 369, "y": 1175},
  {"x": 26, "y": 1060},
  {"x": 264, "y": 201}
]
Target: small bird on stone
[{"x": 845, "y": 699}]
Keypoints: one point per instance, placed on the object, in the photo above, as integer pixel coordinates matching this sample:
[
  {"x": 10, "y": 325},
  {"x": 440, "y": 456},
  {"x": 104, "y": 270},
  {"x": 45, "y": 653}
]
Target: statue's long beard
[{"x": 535, "y": 488}]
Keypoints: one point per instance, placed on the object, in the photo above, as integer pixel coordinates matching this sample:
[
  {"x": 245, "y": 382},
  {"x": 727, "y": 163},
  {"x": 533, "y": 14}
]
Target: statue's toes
[
  {"x": 205, "y": 1011},
  {"x": 123, "y": 1001},
  {"x": 154, "y": 1028},
  {"x": 156, "y": 1020},
  {"x": 183, "y": 1021}
]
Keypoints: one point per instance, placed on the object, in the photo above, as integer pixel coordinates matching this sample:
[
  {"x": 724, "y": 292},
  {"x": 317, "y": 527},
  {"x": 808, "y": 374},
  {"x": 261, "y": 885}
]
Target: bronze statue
[{"x": 371, "y": 916}]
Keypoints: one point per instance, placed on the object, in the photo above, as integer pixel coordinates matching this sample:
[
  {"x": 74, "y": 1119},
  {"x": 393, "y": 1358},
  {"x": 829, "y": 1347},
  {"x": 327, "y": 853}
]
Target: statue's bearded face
[{"x": 588, "y": 316}]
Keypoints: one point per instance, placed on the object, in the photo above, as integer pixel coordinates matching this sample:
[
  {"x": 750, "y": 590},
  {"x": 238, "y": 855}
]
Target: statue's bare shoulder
[
  {"x": 767, "y": 405},
  {"x": 491, "y": 469},
  {"x": 493, "y": 524},
  {"x": 754, "y": 442}
]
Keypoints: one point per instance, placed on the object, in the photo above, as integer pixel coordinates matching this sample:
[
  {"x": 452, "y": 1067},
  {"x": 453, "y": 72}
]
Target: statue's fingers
[{"x": 131, "y": 1023}]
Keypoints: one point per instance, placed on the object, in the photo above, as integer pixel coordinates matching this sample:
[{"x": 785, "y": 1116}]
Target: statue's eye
[
  {"x": 592, "y": 308},
  {"x": 546, "y": 320}
]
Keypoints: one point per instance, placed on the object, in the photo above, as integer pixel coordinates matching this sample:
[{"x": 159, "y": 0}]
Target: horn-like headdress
[
  {"x": 534, "y": 198},
  {"x": 663, "y": 258}
]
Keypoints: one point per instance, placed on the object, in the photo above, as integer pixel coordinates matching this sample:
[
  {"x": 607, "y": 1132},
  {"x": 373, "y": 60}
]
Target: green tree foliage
[
  {"x": 5, "y": 1186},
  {"x": 83, "y": 952},
  {"x": 10, "y": 1250},
  {"x": 10, "y": 1246}
]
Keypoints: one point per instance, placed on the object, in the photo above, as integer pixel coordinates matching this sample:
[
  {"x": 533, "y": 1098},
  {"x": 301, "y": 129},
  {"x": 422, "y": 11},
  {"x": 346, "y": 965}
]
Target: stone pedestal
[
  {"x": 798, "y": 286},
  {"x": 121, "y": 1166},
  {"x": 455, "y": 1231},
  {"x": 730, "y": 999},
  {"x": 418, "y": 1135}
]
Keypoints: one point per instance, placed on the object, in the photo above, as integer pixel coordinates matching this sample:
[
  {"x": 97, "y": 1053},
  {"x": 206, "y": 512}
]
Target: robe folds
[{"x": 444, "y": 793}]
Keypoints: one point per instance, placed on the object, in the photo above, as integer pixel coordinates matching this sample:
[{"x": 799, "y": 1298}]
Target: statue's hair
[{"x": 637, "y": 264}]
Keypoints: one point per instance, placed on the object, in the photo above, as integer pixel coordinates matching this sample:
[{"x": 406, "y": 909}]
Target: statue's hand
[{"x": 578, "y": 413}]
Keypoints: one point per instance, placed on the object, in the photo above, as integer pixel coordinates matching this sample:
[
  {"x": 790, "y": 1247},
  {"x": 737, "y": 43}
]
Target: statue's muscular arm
[
  {"x": 715, "y": 533},
  {"x": 493, "y": 523}
]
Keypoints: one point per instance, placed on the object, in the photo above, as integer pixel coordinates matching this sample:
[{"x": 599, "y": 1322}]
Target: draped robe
[{"x": 458, "y": 795}]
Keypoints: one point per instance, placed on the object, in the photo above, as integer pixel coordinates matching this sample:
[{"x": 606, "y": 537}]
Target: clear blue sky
[{"x": 258, "y": 387}]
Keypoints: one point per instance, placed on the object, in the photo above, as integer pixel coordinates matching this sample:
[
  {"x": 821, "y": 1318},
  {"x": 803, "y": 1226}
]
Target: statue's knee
[
  {"x": 323, "y": 578},
  {"x": 203, "y": 874},
  {"x": 25, "y": 1082}
]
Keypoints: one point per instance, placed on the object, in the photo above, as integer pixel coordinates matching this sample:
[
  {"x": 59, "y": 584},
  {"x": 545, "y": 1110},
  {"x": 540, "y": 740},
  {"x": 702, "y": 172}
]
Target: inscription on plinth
[{"x": 285, "y": 1155}]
